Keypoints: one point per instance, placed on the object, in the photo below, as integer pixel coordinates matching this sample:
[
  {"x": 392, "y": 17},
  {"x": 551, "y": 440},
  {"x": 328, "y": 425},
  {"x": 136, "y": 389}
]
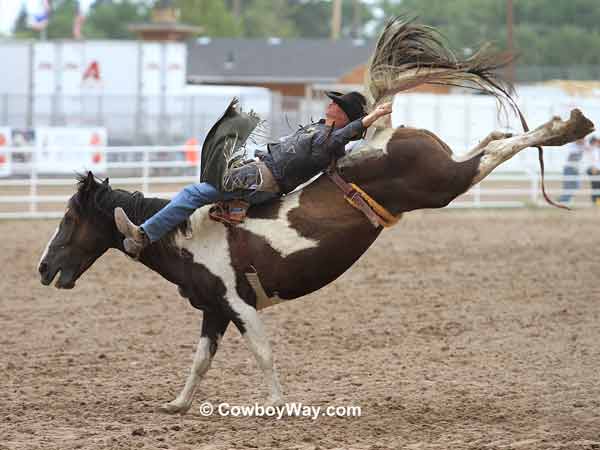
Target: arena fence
[{"x": 38, "y": 184}]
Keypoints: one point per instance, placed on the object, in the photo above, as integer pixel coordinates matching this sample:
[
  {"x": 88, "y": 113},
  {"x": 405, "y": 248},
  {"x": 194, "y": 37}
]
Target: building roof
[
  {"x": 164, "y": 26},
  {"x": 274, "y": 60},
  {"x": 576, "y": 88}
]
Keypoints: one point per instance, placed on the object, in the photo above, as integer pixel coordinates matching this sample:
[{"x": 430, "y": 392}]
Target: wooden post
[
  {"x": 510, "y": 69},
  {"x": 236, "y": 8},
  {"x": 356, "y": 19},
  {"x": 336, "y": 19}
]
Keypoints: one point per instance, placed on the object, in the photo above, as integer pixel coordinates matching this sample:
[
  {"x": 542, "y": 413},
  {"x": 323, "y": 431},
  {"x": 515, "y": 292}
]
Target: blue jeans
[
  {"x": 188, "y": 200},
  {"x": 569, "y": 186}
]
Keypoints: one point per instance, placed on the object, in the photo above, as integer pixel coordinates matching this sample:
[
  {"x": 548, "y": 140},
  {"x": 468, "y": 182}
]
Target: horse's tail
[{"x": 408, "y": 54}]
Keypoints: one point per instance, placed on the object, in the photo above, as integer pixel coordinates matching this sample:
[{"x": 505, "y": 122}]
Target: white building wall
[{"x": 464, "y": 120}]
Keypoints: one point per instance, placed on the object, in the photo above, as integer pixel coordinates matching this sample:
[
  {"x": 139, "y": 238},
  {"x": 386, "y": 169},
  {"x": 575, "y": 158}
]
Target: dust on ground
[{"x": 456, "y": 330}]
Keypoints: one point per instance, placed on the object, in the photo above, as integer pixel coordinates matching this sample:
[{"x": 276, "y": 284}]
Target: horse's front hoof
[
  {"x": 275, "y": 401},
  {"x": 174, "y": 407}
]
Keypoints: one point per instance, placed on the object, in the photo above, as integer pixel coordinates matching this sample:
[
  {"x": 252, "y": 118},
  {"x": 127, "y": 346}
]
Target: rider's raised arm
[
  {"x": 341, "y": 136},
  {"x": 328, "y": 142},
  {"x": 356, "y": 129}
]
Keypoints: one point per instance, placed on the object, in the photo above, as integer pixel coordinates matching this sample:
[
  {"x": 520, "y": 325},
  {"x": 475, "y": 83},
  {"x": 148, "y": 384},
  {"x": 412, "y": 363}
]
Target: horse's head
[{"x": 83, "y": 235}]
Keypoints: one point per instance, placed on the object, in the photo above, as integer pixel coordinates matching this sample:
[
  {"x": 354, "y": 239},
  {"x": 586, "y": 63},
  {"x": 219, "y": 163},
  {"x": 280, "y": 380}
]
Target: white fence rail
[{"x": 30, "y": 191}]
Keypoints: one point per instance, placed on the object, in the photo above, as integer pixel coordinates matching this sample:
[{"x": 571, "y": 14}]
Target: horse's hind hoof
[
  {"x": 174, "y": 408},
  {"x": 577, "y": 126},
  {"x": 583, "y": 126}
]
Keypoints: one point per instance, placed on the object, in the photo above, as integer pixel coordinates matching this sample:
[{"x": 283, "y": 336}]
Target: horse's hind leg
[
  {"x": 555, "y": 133},
  {"x": 213, "y": 328},
  {"x": 493, "y": 136},
  {"x": 250, "y": 325}
]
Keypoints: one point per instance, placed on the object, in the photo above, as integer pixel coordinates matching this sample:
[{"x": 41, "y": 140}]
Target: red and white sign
[
  {"x": 92, "y": 72},
  {"x": 69, "y": 150},
  {"x": 5, "y": 155}
]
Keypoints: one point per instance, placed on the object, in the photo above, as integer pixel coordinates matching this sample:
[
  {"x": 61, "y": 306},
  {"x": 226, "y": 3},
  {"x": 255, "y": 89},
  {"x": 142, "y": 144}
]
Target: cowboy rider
[{"x": 287, "y": 164}]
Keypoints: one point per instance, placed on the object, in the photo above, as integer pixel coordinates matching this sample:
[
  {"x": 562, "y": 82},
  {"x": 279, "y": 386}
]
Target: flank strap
[{"x": 377, "y": 214}]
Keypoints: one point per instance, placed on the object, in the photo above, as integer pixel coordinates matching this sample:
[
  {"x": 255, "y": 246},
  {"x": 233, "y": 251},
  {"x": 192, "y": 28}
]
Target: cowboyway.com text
[{"x": 280, "y": 411}]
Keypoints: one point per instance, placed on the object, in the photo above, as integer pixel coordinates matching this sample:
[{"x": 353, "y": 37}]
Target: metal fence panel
[{"x": 162, "y": 171}]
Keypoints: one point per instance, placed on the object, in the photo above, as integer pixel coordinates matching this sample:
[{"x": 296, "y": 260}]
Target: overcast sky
[{"x": 9, "y": 10}]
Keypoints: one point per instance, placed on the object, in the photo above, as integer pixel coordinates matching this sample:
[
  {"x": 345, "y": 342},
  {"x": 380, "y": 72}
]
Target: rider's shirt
[{"x": 299, "y": 157}]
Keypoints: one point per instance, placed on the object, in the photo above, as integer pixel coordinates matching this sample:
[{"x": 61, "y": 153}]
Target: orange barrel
[{"x": 191, "y": 151}]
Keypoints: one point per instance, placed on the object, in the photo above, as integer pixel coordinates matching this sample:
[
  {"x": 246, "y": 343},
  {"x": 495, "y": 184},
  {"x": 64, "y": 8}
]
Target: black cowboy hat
[{"x": 352, "y": 103}]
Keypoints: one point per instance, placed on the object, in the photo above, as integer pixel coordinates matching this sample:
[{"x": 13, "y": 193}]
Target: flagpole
[{"x": 48, "y": 8}]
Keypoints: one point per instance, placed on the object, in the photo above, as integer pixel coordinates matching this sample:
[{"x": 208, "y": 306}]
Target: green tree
[
  {"x": 212, "y": 15},
  {"x": 298, "y": 18},
  {"x": 365, "y": 15},
  {"x": 109, "y": 20},
  {"x": 546, "y": 32},
  {"x": 21, "y": 29},
  {"x": 583, "y": 14},
  {"x": 60, "y": 25},
  {"x": 312, "y": 18},
  {"x": 265, "y": 18},
  {"x": 459, "y": 21}
]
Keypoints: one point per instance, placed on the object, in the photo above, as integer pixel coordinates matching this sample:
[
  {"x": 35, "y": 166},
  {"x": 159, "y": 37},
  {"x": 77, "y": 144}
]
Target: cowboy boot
[{"x": 135, "y": 237}]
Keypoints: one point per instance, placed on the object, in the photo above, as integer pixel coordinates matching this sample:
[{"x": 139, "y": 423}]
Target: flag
[
  {"x": 39, "y": 13},
  {"x": 78, "y": 21}
]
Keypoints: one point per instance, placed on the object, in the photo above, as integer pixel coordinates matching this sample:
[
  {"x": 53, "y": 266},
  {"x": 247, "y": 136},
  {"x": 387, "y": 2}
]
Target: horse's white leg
[
  {"x": 553, "y": 133},
  {"x": 251, "y": 327},
  {"x": 493, "y": 136},
  {"x": 213, "y": 327}
]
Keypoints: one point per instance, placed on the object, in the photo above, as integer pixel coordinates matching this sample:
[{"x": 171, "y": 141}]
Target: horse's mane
[{"x": 100, "y": 200}]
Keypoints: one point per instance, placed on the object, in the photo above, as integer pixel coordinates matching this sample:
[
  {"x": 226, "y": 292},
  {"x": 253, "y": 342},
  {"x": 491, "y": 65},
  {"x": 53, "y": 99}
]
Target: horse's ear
[
  {"x": 90, "y": 181},
  {"x": 105, "y": 182}
]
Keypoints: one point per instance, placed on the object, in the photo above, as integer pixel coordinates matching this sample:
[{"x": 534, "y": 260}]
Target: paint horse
[{"x": 296, "y": 244}]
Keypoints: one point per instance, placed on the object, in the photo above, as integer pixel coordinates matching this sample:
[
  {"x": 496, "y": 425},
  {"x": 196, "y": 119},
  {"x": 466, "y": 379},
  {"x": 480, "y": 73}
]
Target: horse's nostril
[{"x": 43, "y": 268}]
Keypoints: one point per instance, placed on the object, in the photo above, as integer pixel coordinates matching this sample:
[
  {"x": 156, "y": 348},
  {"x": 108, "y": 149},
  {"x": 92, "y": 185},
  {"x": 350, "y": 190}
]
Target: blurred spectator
[
  {"x": 571, "y": 169},
  {"x": 594, "y": 169}
]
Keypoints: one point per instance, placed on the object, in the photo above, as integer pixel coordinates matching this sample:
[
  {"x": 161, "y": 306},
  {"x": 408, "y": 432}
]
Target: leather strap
[
  {"x": 386, "y": 218},
  {"x": 362, "y": 201},
  {"x": 229, "y": 212}
]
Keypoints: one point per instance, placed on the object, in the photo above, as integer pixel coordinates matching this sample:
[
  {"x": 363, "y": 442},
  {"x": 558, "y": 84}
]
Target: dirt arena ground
[{"x": 457, "y": 330}]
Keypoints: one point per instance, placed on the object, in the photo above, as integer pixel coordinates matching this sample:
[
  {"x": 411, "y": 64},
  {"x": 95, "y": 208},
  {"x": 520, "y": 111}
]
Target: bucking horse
[{"x": 302, "y": 241}]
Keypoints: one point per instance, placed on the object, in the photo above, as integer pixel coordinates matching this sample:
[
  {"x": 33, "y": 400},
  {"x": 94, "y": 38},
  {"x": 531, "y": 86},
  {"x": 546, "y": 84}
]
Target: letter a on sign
[{"x": 92, "y": 72}]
